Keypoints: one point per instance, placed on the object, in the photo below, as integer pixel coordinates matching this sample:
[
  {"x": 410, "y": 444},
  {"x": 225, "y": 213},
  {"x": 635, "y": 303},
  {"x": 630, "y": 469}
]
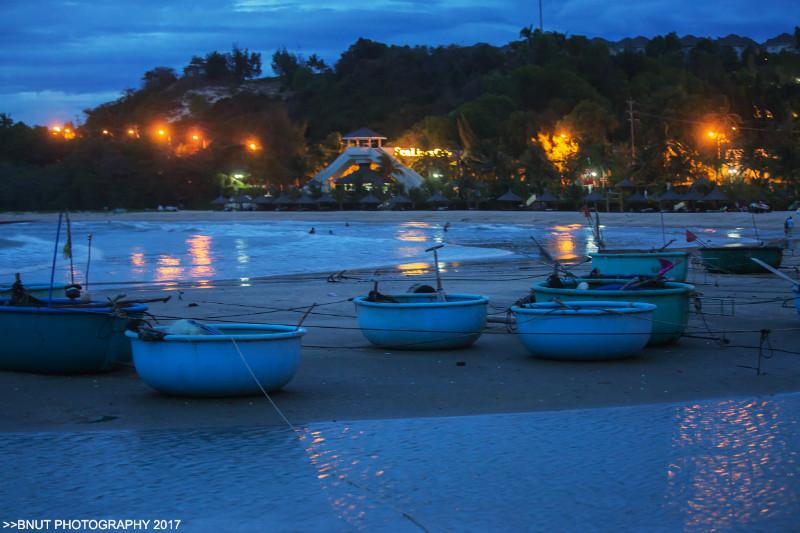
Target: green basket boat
[
  {"x": 735, "y": 258},
  {"x": 672, "y": 302},
  {"x": 65, "y": 340}
]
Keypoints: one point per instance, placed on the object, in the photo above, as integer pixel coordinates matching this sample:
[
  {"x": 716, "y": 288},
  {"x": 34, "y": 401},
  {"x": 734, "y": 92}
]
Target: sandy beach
[
  {"x": 343, "y": 378},
  {"x": 773, "y": 220}
]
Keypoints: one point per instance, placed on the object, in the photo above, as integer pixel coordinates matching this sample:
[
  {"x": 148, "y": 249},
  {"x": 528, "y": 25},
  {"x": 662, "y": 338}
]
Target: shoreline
[
  {"x": 342, "y": 377},
  {"x": 671, "y": 220}
]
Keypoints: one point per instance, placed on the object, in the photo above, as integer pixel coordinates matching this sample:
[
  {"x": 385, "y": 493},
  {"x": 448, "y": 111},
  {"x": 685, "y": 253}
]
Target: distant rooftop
[{"x": 363, "y": 133}]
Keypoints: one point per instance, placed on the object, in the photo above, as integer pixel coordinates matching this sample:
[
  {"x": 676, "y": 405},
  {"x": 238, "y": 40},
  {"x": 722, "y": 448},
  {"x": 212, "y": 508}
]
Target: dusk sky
[{"x": 59, "y": 57}]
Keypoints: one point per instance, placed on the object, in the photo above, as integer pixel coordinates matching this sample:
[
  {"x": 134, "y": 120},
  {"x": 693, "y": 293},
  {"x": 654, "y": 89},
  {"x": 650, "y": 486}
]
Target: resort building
[{"x": 361, "y": 155}]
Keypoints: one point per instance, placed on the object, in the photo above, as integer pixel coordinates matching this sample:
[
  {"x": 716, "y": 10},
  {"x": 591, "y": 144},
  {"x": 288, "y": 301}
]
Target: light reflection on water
[
  {"x": 136, "y": 252},
  {"x": 715, "y": 465},
  {"x": 745, "y": 469}
]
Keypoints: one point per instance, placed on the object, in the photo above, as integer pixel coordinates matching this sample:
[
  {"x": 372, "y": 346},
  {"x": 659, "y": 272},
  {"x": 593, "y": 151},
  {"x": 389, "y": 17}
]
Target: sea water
[
  {"x": 721, "y": 465},
  {"x": 201, "y": 253}
]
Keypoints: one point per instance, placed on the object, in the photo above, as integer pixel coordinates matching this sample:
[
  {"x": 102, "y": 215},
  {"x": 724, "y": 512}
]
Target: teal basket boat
[
  {"x": 622, "y": 263},
  {"x": 40, "y": 291},
  {"x": 670, "y": 317},
  {"x": 65, "y": 340},
  {"x": 736, "y": 258}
]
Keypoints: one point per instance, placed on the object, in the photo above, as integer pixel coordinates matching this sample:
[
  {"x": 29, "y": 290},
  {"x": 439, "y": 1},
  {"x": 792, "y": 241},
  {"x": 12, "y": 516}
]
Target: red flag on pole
[{"x": 690, "y": 237}]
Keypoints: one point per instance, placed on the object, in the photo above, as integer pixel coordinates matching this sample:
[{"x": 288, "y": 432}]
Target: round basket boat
[
  {"x": 584, "y": 330},
  {"x": 65, "y": 340},
  {"x": 420, "y": 322},
  {"x": 670, "y": 317},
  {"x": 211, "y": 365},
  {"x": 736, "y": 258},
  {"x": 797, "y": 301},
  {"x": 636, "y": 263}
]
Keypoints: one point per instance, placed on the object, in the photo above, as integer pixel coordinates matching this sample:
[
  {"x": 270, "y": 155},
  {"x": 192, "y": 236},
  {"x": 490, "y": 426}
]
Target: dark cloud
[{"x": 75, "y": 53}]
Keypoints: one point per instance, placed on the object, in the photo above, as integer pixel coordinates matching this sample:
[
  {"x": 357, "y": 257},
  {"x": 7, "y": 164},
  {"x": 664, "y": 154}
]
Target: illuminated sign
[{"x": 417, "y": 152}]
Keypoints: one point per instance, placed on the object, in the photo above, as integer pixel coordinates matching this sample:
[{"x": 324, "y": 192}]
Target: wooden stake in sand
[{"x": 440, "y": 297}]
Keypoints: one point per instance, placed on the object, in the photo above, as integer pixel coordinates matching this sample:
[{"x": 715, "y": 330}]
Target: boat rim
[
  {"x": 638, "y": 253},
  {"x": 279, "y": 331},
  {"x": 671, "y": 287},
  {"x": 581, "y": 308},
  {"x": 737, "y": 246},
  {"x": 133, "y": 308},
  {"x": 469, "y": 299}
]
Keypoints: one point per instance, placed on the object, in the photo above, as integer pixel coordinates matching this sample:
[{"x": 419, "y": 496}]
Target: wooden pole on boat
[
  {"x": 440, "y": 297},
  {"x": 55, "y": 257},
  {"x": 775, "y": 271},
  {"x": 68, "y": 249},
  {"x": 88, "y": 264},
  {"x": 755, "y": 227}
]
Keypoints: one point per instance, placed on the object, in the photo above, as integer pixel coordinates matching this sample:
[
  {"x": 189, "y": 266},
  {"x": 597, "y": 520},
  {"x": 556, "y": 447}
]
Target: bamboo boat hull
[
  {"x": 670, "y": 317},
  {"x": 64, "y": 341},
  {"x": 625, "y": 264},
  {"x": 212, "y": 365},
  {"x": 585, "y": 331},
  {"x": 737, "y": 259},
  {"x": 419, "y": 322}
]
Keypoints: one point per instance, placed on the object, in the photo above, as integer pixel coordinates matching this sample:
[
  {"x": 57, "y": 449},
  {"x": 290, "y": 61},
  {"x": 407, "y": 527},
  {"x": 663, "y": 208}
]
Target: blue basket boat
[
  {"x": 635, "y": 263},
  {"x": 672, "y": 301},
  {"x": 40, "y": 291},
  {"x": 590, "y": 330},
  {"x": 420, "y": 322},
  {"x": 212, "y": 365},
  {"x": 65, "y": 340}
]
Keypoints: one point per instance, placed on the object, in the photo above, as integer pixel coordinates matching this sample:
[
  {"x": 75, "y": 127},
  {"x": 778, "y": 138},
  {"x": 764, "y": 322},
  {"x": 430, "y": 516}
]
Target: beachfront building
[{"x": 362, "y": 151}]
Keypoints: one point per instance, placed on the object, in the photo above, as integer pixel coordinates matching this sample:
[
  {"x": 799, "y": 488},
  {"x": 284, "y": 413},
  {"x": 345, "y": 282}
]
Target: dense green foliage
[{"x": 496, "y": 108}]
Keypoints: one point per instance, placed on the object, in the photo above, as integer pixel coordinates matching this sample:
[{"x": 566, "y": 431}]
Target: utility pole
[
  {"x": 541, "y": 22},
  {"x": 633, "y": 131}
]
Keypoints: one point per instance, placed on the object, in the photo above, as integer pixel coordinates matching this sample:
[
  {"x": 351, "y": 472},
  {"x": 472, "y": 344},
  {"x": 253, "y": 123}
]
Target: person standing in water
[{"x": 312, "y": 231}]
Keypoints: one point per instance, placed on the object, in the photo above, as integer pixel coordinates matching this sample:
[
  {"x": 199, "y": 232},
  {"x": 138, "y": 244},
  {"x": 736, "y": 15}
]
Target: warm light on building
[
  {"x": 105, "y": 132},
  {"x": 252, "y": 145},
  {"x": 418, "y": 152},
  {"x": 559, "y": 149},
  {"x": 62, "y": 131}
]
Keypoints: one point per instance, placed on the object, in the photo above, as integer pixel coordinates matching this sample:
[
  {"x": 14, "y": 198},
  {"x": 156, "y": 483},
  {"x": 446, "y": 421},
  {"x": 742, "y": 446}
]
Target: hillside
[{"x": 545, "y": 112}]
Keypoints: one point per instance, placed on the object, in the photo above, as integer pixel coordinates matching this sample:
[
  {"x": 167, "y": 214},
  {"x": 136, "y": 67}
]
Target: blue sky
[{"x": 58, "y": 57}]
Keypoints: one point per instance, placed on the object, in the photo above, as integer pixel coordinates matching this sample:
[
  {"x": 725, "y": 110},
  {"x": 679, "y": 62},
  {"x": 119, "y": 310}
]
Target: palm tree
[{"x": 388, "y": 167}]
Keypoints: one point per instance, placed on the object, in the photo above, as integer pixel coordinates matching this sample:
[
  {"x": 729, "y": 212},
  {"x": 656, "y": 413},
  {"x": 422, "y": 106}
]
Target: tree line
[{"x": 544, "y": 112}]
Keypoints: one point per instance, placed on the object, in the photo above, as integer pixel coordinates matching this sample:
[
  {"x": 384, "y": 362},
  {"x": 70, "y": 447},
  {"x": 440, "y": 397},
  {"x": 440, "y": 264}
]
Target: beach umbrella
[
  {"x": 370, "y": 199},
  {"x": 509, "y": 197},
  {"x": 546, "y": 198},
  {"x": 326, "y": 199},
  {"x": 438, "y": 198},
  {"x": 670, "y": 196},
  {"x": 636, "y": 198},
  {"x": 219, "y": 200},
  {"x": 305, "y": 200},
  {"x": 399, "y": 200},
  {"x": 594, "y": 196},
  {"x": 264, "y": 200},
  {"x": 284, "y": 199},
  {"x": 693, "y": 196},
  {"x": 716, "y": 195},
  {"x": 625, "y": 184}
]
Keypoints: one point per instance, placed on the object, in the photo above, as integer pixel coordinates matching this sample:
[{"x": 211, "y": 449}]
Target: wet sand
[
  {"x": 766, "y": 221},
  {"x": 343, "y": 378}
]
